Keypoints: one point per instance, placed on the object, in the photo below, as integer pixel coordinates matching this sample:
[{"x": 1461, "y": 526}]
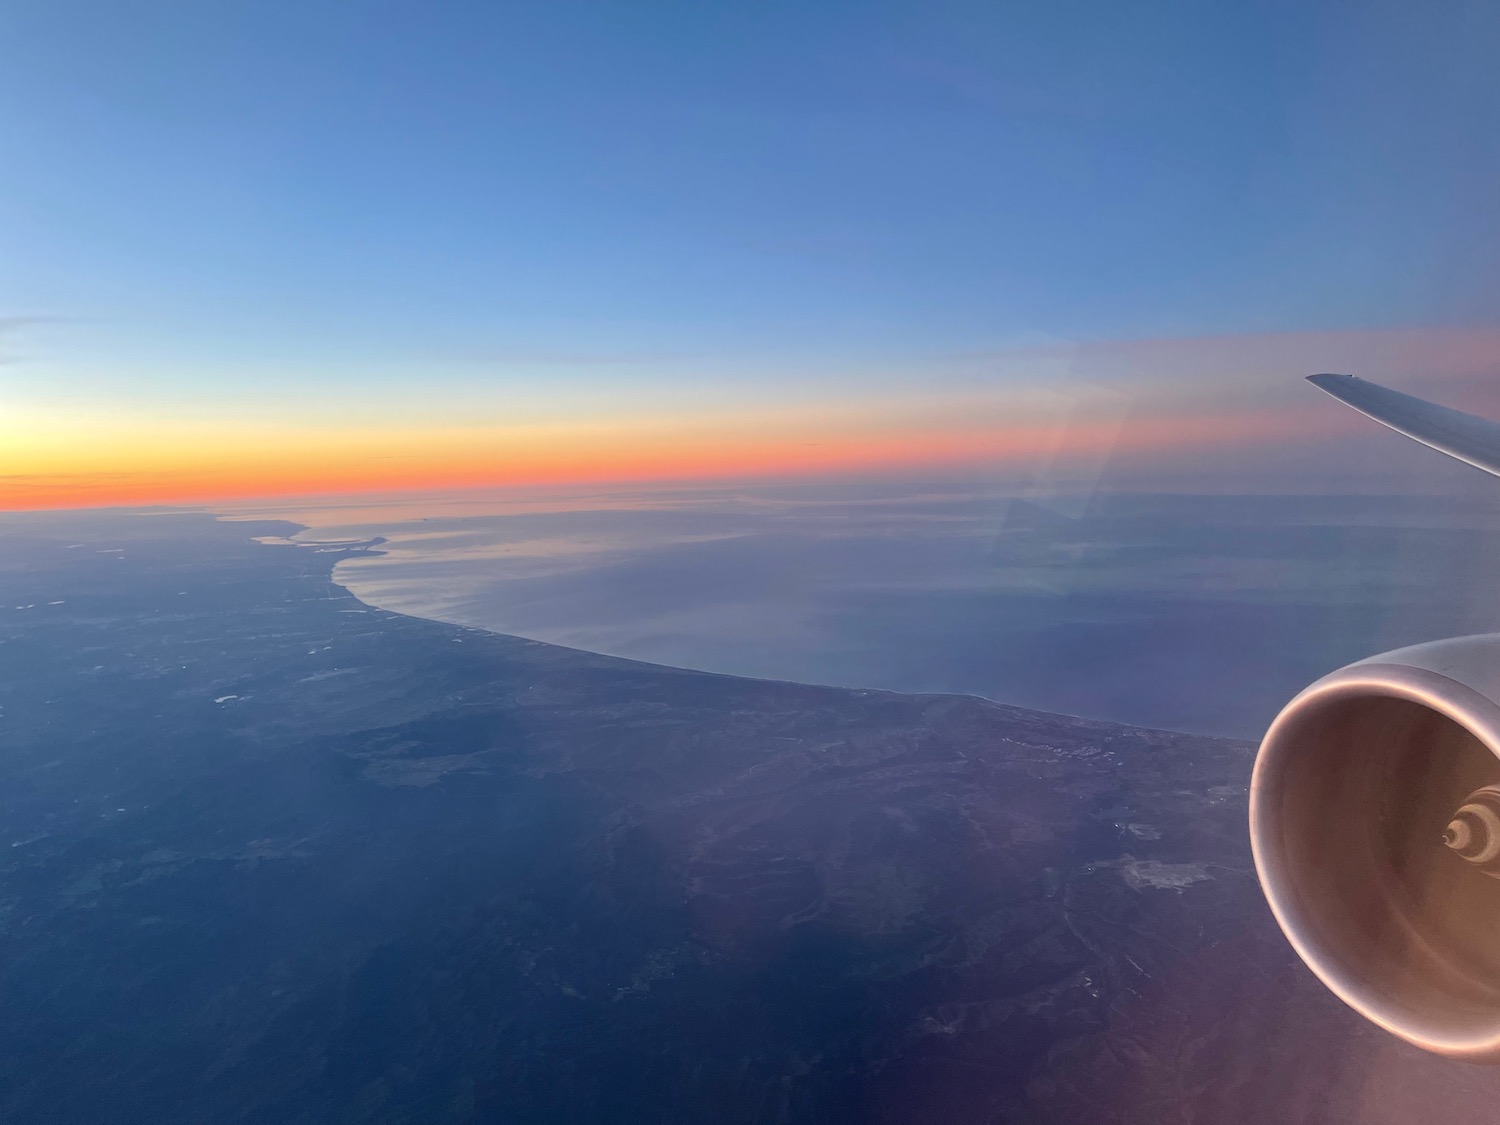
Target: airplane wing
[{"x": 1471, "y": 439}]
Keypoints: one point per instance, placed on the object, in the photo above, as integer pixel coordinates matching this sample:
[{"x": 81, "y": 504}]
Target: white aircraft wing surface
[{"x": 1473, "y": 440}]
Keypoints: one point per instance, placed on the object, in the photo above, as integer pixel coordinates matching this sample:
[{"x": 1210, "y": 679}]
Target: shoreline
[{"x": 368, "y": 548}]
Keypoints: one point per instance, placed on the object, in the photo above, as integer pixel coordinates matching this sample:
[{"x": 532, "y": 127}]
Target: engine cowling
[{"x": 1375, "y": 824}]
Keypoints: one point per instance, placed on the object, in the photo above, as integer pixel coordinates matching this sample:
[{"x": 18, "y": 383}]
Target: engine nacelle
[{"x": 1375, "y": 823}]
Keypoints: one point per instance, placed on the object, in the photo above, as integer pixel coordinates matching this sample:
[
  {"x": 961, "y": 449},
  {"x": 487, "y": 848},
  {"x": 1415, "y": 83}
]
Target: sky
[{"x": 282, "y": 248}]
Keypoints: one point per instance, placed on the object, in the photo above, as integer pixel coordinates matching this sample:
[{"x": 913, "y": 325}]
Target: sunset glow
[
  {"x": 159, "y": 463},
  {"x": 1127, "y": 405}
]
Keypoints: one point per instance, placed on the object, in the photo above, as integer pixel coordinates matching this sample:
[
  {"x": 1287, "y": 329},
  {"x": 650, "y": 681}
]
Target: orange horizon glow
[
  {"x": 164, "y": 468},
  {"x": 1133, "y": 403}
]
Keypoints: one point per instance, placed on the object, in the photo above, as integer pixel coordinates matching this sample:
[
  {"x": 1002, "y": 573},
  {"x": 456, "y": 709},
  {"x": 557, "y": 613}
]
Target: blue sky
[{"x": 223, "y": 202}]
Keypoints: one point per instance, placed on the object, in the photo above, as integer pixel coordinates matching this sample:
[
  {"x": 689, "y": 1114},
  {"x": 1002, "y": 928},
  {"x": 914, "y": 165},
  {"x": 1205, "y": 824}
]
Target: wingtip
[{"x": 1331, "y": 382}]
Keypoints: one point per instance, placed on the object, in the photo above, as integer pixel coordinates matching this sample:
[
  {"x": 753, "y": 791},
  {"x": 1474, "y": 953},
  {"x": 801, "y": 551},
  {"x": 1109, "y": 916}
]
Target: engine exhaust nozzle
[{"x": 1474, "y": 831}]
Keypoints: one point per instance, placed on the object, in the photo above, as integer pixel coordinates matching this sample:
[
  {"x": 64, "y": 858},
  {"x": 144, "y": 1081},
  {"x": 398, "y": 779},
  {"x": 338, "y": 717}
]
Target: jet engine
[{"x": 1375, "y": 824}]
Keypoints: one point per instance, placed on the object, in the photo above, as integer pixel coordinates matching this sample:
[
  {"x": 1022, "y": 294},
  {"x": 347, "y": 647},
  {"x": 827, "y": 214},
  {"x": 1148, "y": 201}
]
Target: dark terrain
[{"x": 269, "y": 855}]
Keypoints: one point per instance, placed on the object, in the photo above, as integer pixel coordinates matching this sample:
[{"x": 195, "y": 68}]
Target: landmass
[{"x": 268, "y": 854}]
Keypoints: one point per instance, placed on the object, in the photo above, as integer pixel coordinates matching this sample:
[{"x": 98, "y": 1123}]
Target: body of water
[{"x": 1201, "y": 613}]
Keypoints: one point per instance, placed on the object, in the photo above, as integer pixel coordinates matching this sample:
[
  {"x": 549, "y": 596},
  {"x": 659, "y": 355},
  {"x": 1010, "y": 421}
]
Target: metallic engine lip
[{"x": 1446, "y": 696}]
